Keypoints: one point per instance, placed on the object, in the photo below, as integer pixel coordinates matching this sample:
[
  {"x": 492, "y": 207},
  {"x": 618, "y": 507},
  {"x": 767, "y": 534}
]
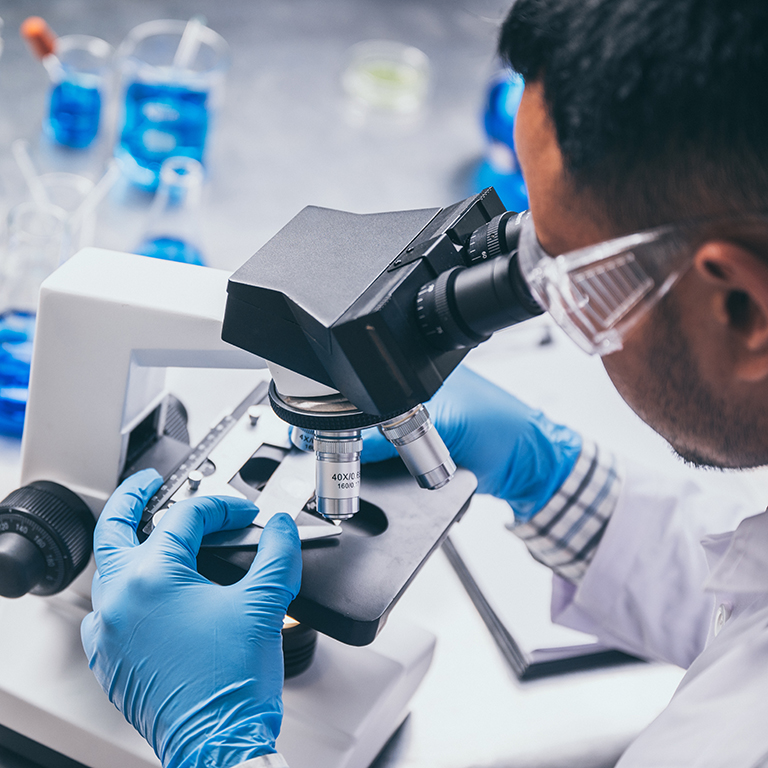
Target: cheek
[
  {"x": 626, "y": 372},
  {"x": 634, "y": 371},
  {"x": 522, "y": 131}
]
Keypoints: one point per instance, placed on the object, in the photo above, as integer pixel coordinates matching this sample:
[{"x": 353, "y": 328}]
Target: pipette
[
  {"x": 189, "y": 43},
  {"x": 20, "y": 150},
  {"x": 41, "y": 40}
]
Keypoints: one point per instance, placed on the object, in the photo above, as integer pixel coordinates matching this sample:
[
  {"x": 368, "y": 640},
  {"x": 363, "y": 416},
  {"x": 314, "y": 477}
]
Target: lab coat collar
[{"x": 738, "y": 561}]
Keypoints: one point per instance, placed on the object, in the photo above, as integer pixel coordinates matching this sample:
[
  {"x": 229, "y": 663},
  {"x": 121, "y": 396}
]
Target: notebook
[{"x": 512, "y": 593}]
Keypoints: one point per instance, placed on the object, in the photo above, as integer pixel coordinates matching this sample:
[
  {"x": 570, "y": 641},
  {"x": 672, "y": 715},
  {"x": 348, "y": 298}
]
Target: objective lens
[
  {"x": 303, "y": 439},
  {"x": 420, "y": 447},
  {"x": 337, "y": 473}
]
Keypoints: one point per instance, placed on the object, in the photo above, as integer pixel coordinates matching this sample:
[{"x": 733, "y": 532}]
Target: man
[{"x": 636, "y": 114}]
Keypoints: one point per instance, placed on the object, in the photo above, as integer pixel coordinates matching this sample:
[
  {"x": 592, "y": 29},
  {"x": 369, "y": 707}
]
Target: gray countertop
[{"x": 285, "y": 138}]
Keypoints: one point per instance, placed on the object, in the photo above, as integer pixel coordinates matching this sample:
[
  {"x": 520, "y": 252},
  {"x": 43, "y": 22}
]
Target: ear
[{"x": 740, "y": 279}]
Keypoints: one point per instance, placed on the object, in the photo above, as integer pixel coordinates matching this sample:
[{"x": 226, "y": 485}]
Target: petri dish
[{"x": 387, "y": 75}]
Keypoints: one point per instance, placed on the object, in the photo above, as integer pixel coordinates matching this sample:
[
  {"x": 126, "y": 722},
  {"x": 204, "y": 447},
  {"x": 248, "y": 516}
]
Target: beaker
[
  {"x": 35, "y": 247},
  {"x": 68, "y": 191},
  {"x": 170, "y": 94},
  {"x": 36, "y": 236},
  {"x": 79, "y": 89}
]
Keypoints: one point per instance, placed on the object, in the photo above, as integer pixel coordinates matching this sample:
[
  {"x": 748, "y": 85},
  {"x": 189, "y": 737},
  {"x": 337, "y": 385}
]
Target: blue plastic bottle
[{"x": 500, "y": 168}]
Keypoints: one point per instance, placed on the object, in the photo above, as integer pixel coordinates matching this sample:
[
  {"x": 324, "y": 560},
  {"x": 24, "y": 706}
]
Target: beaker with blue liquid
[
  {"x": 172, "y": 83},
  {"x": 80, "y": 81},
  {"x": 34, "y": 248}
]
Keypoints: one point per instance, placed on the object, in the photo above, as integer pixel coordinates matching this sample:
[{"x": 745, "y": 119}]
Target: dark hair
[{"x": 660, "y": 106}]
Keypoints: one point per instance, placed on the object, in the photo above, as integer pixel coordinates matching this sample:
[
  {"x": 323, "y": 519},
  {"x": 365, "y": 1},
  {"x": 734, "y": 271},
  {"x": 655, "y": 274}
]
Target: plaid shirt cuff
[{"x": 564, "y": 535}]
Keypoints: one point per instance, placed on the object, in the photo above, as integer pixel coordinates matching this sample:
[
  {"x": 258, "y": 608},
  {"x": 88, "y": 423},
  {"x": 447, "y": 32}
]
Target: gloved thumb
[
  {"x": 275, "y": 574},
  {"x": 88, "y": 634},
  {"x": 376, "y": 447}
]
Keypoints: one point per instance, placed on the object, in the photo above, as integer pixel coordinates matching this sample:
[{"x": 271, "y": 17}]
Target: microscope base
[{"x": 338, "y": 714}]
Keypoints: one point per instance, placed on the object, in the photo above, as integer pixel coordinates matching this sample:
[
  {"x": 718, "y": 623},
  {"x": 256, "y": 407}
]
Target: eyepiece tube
[
  {"x": 337, "y": 473},
  {"x": 463, "y": 306},
  {"x": 420, "y": 447}
]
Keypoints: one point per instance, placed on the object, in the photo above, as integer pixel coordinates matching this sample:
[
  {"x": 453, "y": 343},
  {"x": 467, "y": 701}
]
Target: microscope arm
[{"x": 108, "y": 325}]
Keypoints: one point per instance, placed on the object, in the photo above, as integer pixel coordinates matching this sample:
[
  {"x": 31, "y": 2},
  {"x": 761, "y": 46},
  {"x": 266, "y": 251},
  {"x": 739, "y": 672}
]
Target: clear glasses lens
[{"x": 597, "y": 294}]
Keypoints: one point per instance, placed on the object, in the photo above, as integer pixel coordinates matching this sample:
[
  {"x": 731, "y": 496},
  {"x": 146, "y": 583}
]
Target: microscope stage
[{"x": 350, "y": 583}]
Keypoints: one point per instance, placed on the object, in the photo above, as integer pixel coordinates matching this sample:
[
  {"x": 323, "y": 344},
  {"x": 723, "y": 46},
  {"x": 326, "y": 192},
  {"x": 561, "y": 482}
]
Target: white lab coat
[{"x": 663, "y": 589}]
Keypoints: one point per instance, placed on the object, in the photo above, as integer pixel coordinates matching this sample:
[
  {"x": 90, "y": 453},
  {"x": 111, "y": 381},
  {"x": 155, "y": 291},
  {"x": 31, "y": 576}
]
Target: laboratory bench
[{"x": 285, "y": 137}]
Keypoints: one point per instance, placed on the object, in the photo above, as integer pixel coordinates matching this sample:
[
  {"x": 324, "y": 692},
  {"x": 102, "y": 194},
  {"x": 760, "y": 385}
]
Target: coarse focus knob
[
  {"x": 46, "y": 535},
  {"x": 22, "y": 565}
]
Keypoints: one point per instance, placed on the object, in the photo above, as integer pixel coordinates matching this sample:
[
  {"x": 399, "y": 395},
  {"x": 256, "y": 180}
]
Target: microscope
[
  {"x": 361, "y": 323},
  {"x": 359, "y": 319}
]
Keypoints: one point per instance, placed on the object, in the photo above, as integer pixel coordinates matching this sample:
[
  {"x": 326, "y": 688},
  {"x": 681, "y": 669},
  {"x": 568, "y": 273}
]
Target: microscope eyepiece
[
  {"x": 497, "y": 237},
  {"x": 463, "y": 306}
]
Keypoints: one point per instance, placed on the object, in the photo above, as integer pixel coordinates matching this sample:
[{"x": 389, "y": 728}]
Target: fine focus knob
[{"x": 46, "y": 535}]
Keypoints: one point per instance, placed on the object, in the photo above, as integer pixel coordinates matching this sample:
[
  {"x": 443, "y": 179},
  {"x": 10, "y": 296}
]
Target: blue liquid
[
  {"x": 161, "y": 121},
  {"x": 17, "y": 330},
  {"x": 171, "y": 249},
  {"x": 74, "y": 115}
]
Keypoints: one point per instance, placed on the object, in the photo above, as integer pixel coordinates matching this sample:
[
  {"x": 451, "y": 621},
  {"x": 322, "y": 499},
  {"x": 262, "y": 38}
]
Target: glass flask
[{"x": 173, "y": 228}]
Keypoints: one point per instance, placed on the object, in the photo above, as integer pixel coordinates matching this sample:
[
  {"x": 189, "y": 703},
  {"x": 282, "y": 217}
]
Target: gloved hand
[
  {"x": 195, "y": 667},
  {"x": 515, "y": 452}
]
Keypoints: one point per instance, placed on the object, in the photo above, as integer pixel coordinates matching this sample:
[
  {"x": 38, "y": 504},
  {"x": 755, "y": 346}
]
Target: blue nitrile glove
[
  {"x": 516, "y": 453},
  {"x": 195, "y": 667}
]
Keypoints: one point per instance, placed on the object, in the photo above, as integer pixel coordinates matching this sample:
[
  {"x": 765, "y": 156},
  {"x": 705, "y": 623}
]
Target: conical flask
[{"x": 173, "y": 226}]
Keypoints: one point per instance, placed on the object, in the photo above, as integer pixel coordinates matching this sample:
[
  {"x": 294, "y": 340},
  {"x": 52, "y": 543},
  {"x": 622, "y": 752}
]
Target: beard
[{"x": 703, "y": 427}]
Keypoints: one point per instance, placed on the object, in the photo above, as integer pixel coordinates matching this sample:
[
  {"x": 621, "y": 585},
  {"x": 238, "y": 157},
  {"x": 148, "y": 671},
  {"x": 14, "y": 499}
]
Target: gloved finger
[
  {"x": 275, "y": 574},
  {"x": 116, "y": 526},
  {"x": 180, "y": 531},
  {"x": 376, "y": 447},
  {"x": 88, "y": 634},
  {"x": 96, "y": 591}
]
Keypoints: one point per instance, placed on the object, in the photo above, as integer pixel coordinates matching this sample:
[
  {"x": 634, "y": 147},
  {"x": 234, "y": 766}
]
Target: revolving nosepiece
[{"x": 420, "y": 447}]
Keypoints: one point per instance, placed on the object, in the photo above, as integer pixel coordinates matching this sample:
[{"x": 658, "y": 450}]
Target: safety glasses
[{"x": 599, "y": 293}]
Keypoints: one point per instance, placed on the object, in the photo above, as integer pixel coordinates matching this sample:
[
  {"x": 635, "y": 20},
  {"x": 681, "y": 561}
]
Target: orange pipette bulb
[{"x": 40, "y": 38}]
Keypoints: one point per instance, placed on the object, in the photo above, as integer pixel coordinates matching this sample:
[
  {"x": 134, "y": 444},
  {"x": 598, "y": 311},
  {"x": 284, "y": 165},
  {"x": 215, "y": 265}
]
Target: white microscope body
[{"x": 108, "y": 326}]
